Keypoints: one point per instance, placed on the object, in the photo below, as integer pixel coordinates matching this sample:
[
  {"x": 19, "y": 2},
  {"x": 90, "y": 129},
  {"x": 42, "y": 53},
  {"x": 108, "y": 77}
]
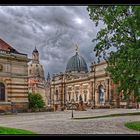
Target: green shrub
[
  {"x": 133, "y": 125},
  {"x": 35, "y": 101}
]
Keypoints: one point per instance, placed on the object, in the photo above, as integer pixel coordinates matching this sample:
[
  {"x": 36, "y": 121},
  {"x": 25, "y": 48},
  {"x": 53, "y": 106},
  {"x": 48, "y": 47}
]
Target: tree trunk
[{"x": 127, "y": 103}]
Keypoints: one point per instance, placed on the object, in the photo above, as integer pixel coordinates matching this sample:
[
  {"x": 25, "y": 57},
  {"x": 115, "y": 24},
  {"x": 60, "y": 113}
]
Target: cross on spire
[
  {"x": 35, "y": 48},
  {"x": 77, "y": 48}
]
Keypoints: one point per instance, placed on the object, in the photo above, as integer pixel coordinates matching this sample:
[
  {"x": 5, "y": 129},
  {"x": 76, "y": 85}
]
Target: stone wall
[{"x": 14, "y": 76}]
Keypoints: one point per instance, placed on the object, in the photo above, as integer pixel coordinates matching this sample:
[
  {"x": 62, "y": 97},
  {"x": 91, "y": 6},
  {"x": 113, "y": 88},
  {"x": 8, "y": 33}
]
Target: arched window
[
  {"x": 2, "y": 92},
  {"x": 56, "y": 94},
  {"x": 101, "y": 94}
]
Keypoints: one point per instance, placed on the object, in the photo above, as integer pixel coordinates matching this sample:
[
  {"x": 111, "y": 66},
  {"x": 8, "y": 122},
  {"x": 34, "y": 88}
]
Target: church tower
[
  {"x": 35, "y": 69},
  {"x": 35, "y": 56},
  {"x": 36, "y": 78}
]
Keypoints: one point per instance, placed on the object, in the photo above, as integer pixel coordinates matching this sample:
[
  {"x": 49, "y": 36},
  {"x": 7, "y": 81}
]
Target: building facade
[
  {"x": 93, "y": 86},
  {"x": 13, "y": 78},
  {"x": 36, "y": 78},
  {"x": 78, "y": 83}
]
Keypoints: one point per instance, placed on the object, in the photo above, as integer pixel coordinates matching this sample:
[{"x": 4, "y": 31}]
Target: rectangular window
[{"x": 2, "y": 92}]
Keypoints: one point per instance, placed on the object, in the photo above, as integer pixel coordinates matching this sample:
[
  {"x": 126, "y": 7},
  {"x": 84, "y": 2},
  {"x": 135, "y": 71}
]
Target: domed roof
[{"x": 76, "y": 64}]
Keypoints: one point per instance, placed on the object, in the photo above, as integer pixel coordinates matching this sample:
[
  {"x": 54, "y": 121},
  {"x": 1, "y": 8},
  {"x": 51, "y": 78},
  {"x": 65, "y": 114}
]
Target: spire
[
  {"x": 48, "y": 77},
  {"x": 35, "y": 56},
  {"x": 77, "y": 49},
  {"x": 35, "y": 50}
]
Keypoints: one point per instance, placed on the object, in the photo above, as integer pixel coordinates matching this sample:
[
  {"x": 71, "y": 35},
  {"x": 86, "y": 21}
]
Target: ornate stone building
[
  {"x": 13, "y": 78},
  {"x": 92, "y": 85},
  {"x": 36, "y": 81}
]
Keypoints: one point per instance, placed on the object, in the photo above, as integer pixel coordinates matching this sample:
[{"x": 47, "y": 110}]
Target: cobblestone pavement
[{"x": 61, "y": 122}]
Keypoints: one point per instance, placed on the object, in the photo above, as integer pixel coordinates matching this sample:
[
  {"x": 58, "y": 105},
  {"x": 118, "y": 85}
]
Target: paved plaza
[{"x": 61, "y": 123}]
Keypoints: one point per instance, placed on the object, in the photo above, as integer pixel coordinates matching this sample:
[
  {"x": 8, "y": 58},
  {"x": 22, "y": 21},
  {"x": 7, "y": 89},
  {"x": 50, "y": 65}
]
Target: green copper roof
[{"x": 76, "y": 63}]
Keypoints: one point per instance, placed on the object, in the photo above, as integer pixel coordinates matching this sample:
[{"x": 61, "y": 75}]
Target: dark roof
[
  {"x": 35, "y": 50},
  {"x": 76, "y": 63},
  {"x": 6, "y": 47}
]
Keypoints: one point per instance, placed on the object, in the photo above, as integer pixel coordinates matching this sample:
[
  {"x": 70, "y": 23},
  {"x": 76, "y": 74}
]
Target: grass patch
[
  {"x": 133, "y": 125},
  {"x": 111, "y": 115},
  {"x": 7, "y": 130}
]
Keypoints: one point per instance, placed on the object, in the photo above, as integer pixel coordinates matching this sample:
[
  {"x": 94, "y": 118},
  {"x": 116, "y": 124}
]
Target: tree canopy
[
  {"x": 35, "y": 101},
  {"x": 119, "y": 44}
]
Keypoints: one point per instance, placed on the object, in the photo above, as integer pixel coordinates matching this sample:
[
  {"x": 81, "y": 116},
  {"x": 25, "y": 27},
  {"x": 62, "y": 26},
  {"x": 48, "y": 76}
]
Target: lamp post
[
  {"x": 66, "y": 104},
  {"x": 72, "y": 104}
]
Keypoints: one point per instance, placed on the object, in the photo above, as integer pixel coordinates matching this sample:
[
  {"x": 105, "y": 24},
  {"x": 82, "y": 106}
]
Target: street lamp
[
  {"x": 72, "y": 104},
  {"x": 66, "y": 104}
]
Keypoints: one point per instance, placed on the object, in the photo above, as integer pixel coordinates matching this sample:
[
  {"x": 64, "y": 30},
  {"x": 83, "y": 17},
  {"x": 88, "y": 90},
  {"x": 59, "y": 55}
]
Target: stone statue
[
  {"x": 80, "y": 99},
  {"x": 81, "y": 107}
]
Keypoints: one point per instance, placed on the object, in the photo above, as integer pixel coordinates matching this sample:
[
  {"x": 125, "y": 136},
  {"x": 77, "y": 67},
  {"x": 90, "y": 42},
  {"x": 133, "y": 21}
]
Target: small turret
[
  {"x": 48, "y": 77},
  {"x": 35, "y": 56}
]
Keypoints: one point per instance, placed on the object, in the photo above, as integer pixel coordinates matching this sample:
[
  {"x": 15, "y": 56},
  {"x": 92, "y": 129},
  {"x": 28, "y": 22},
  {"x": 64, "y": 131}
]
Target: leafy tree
[
  {"x": 35, "y": 101},
  {"x": 119, "y": 44}
]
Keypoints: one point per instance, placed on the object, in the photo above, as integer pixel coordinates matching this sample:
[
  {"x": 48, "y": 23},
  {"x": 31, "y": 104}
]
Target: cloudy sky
[{"x": 54, "y": 30}]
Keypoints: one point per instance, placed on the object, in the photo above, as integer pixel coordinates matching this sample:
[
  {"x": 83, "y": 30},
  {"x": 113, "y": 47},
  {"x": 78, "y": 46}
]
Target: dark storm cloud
[{"x": 53, "y": 29}]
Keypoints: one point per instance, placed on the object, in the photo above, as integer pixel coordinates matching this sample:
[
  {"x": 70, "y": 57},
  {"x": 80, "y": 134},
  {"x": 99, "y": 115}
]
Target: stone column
[
  {"x": 81, "y": 90},
  {"x": 117, "y": 97},
  {"x": 61, "y": 96},
  {"x": 61, "y": 99},
  {"x": 97, "y": 94},
  {"x": 64, "y": 94},
  {"x": 91, "y": 90},
  {"x": 107, "y": 90},
  {"x": 52, "y": 95}
]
